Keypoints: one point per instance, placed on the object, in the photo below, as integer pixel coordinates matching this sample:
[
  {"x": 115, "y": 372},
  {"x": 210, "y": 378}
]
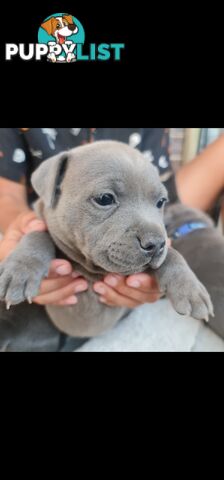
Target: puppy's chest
[{"x": 88, "y": 318}]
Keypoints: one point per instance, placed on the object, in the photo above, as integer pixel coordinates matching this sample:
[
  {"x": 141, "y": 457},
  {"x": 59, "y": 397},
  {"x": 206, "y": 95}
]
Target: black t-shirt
[{"x": 23, "y": 149}]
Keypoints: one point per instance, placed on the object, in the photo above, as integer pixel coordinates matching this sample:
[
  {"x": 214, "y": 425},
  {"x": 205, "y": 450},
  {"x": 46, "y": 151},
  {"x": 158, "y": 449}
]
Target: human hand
[
  {"x": 62, "y": 283},
  {"x": 130, "y": 292},
  {"x": 26, "y": 222}
]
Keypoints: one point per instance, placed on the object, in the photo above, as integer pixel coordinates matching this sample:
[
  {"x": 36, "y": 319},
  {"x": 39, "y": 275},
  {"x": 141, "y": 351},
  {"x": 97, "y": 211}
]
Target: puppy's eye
[
  {"x": 161, "y": 202},
  {"x": 105, "y": 200},
  {"x": 58, "y": 25}
]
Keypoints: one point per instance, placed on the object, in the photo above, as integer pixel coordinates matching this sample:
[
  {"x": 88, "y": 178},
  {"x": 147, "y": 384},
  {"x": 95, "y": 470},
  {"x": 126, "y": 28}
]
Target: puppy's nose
[
  {"x": 152, "y": 247},
  {"x": 72, "y": 26}
]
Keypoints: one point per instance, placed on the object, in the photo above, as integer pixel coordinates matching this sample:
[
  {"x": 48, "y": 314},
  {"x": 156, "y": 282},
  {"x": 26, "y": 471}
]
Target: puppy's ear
[
  {"x": 68, "y": 18},
  {"x": 48, "y": 178},
  {"x": 49, "y": 25}
]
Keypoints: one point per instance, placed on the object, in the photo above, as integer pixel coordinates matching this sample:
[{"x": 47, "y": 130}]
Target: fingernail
[
  {"x": 36, "y": 223},
  {"x": 99, "y": 289},
  {"x": 134, "y": 283},
  {"x": 63, "y": 270},
  {"x": 71, "y": 301},
  {"x": 75, "y": 274},
  {"x": 111, "y": 281},
  {"x": 81, "y": 288},
  {"x": 102, "y": 300}
]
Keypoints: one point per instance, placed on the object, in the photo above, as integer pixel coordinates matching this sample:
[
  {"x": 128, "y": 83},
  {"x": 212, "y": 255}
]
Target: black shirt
[{"x": 23, "y": 149}]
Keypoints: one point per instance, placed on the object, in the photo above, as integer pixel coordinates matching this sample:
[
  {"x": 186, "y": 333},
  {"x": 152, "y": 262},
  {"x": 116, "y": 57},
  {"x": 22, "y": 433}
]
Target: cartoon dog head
[{"x": 60, "y": 27}]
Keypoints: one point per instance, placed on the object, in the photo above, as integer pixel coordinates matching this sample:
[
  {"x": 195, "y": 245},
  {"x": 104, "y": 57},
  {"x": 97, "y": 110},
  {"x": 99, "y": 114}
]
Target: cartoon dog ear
[
  {"x": 47, "y": 179},
  {"x": 68, "y": 18},
  {"x": 49, "y": 25}
]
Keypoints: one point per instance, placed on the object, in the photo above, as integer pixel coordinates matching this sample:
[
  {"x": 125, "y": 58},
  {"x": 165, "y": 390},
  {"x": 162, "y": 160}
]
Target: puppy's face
[
  {"x": 60, "y": 27},
  {"x": 104, "y": 202}
]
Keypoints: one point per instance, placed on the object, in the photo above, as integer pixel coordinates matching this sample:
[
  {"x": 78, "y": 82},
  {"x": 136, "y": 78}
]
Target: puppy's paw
[
  {"x": 191, "y": 298},
  {"x": 20, "y": 279}
]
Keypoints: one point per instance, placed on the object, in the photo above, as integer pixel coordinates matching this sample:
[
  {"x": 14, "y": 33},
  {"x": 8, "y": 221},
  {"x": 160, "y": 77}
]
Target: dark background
[
  {"x": 170, "y": 71},
  {"x": 75, "y": 90}
]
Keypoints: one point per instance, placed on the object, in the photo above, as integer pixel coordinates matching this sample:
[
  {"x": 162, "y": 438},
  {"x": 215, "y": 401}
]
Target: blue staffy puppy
[{"x": 104, "y": 206}]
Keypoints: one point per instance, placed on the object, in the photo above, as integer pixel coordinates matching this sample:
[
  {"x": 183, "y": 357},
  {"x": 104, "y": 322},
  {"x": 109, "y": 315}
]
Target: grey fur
[
  {"x": 98, "y": 240},
  {"x": 204, "y": 252}
]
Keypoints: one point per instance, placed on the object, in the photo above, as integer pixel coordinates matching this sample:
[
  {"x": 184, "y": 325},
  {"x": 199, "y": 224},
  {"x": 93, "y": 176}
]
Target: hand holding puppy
[{"x": 62, "y": 284}]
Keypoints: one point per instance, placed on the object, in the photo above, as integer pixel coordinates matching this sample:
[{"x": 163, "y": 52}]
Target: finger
[
  {"x": 68, "y": 301},
  {"x": 53, "y": 284},
  {"x": 60, "y": 267},
  {"x": 34, "y": 226},
  {"x": 127, "y": 301},
  {"x": 143, "y": 282},
  {"x": 59, "y": 295},
  {"x": 112, "y": 298},
  {"x": 24, "y": 219},
  {"x": 132, "y": 294},
  {"x": 137, "y": 287}
]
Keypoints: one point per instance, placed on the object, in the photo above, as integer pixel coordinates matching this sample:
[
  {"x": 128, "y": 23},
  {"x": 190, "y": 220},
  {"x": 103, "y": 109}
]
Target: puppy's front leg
[
  {"x": 186, "y": 292},
  {"x": 22, "y": 272}
]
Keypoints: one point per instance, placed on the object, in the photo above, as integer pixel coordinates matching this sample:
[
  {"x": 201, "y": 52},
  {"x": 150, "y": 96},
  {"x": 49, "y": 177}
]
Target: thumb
[
  {"x": 34, "y": 226},
  {"x": 60, "y": 268},
  {"x": 144, "y": 282}
]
